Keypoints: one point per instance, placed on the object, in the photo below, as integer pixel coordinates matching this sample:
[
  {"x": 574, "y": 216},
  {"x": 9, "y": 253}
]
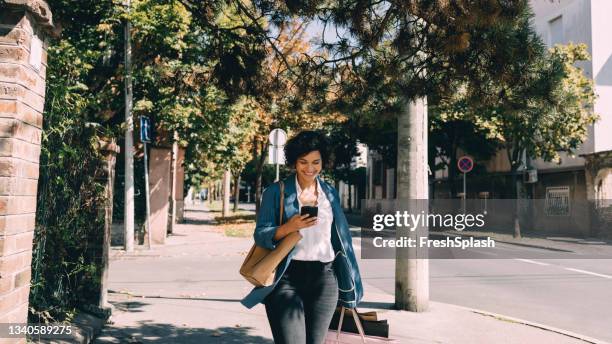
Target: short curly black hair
[{"x": 304, "y": 143}]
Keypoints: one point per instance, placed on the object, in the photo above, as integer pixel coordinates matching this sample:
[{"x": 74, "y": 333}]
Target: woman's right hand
[
  {"x": 294, "y": 224},
  {"x": 298, "y": 222}
]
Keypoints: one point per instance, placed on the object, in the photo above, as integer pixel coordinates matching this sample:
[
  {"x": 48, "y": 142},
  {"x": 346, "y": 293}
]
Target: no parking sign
[{"x": 465, "y": 164}]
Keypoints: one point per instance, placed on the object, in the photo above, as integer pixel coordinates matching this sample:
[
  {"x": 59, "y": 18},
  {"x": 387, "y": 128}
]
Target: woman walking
[{"x": 321, "y": 272}]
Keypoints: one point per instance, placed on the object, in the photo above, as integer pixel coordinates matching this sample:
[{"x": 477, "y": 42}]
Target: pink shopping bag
[{"x": 340, "y": 337}]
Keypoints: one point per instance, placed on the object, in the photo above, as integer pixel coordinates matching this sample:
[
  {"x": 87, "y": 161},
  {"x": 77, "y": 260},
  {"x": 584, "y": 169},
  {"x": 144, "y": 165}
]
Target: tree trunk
[
  {"x": 411, "y": 264},
  {"x": 350, "y": 199},
  {"x": 261, "y": 159},
  {"x": 211, "y": 189},
  {"x": 226, "y": 192},
  {"x": 236, "y": 192},
  {"x": 514, "y": 154},
  {"x": 172, "y": 200},
  {"x": 452, "y": 170},
  {"x": 516, "y": 185}
]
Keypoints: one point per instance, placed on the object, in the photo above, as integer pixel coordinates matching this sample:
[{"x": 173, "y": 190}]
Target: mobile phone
[{"x": 309, "y": 210}]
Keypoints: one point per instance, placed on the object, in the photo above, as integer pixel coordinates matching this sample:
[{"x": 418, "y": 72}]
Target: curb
[
  {"x": 509, "y": 242},
  {"x": 502, "y": 317},
  {"x": 378, "y": 293}
]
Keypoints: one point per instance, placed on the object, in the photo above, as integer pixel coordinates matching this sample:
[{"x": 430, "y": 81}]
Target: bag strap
[
  {"x": 357, "y": 323},
  {"x": 340, "y": 324},
  {"x": 282, "y": 203}
]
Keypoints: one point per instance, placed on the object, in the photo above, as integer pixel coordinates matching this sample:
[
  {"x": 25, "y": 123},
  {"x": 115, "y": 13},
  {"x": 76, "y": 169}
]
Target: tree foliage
[
  {"x": 189, "y": 70},
  {"x": 542, "y": 110}
]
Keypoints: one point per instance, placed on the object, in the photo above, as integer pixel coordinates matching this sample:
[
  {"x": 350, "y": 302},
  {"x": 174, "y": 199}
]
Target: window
[
  {"x": 557, "y": 201},
  {"x": 555, "y": 28}
]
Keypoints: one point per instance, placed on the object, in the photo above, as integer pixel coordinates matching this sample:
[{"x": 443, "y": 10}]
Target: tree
[
  {"x": 389, "y": 55},
  {"x": 281, "y": 103},
  {"x": 182, "y": 56},
  {"x": 538, "y": 112},
  {"x": 232, "y": 152},
  {"x": 451, "y": 132}
]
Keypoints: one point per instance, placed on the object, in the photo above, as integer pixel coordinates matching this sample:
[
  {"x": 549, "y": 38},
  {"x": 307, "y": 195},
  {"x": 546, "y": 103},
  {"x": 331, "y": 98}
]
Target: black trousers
[{"x": 302, "y": 304}]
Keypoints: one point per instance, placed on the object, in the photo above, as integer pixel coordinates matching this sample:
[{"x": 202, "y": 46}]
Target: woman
[{"x": 321, "y": 271}]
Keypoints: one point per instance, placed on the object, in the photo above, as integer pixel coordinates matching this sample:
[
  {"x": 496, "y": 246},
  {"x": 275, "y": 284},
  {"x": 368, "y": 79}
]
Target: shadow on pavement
[
  {"x": 199, "y": 222},
  {"x": 379, "y": 305},
  {"x": 130, "y": 306},
  {"x": 148, "y": 332},
  {"x": 207, "y": 211},
  {"x": 140, "y": 304}
]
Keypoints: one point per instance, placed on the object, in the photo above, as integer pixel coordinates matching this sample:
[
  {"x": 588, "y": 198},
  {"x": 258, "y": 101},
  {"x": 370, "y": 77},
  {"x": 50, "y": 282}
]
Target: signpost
[
  {"x": 145, "y": 137},
  {"x": 465, "y": 165},
  {"x": 277, "y": 137}
]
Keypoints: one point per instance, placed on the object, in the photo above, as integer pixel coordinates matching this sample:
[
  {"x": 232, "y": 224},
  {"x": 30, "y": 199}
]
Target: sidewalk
[
  {"x": 589, "y": 246},
  {"x": 188, "y": 291}
]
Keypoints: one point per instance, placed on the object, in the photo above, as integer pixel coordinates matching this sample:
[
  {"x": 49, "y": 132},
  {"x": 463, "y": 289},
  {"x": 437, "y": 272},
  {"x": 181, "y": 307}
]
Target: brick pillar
[
  {"x": 24, "y": 26},
  {"x": 179, "y": 177},
  {"x": 159, "y": 185}
]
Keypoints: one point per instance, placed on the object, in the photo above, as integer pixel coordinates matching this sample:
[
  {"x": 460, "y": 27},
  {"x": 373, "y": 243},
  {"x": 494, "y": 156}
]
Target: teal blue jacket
[{"x": 345, "y": 264}]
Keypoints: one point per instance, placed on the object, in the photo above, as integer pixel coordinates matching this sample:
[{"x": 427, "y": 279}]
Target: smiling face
[{"x": 309, "y": 166}]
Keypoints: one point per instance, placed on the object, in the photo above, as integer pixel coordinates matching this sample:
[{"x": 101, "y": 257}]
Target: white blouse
[{"x": 316, "y": 240}]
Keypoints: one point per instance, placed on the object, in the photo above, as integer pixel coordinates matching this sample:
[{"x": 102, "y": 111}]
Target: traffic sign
[
  {"x": 465, "y": 164},
  {"x": 278, "y": 137},
  {"x": 145, "y": 129},
  {"x": 276, "y": 155}
]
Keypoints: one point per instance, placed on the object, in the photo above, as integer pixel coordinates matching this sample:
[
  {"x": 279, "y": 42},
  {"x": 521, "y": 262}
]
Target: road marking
[
  {"x": 589, "y": 273},
  {"x": 531, "y": 261},
  {"x": 482, "y": 252}
]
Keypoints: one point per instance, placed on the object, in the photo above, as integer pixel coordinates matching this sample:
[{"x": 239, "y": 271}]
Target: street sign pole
[
  {"x": 277, "y": 172},
  {"x": 147, "y": 196},
  {"x": 465, "y": 164},
  {"x": 464, "y": 191},
  {"x": 145, "y": 136}
]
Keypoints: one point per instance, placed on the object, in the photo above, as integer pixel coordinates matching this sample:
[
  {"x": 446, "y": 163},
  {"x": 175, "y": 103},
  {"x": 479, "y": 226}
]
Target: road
[{"x": 571, "y": 294}]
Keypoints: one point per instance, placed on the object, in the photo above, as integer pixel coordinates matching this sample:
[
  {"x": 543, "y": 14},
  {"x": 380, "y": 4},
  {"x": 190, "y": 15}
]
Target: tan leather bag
[{"x": 259, "y": 266}]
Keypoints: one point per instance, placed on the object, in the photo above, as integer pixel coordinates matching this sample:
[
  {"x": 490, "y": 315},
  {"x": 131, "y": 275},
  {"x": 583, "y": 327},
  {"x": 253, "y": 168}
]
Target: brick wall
[{"x": 24, "y": 25}]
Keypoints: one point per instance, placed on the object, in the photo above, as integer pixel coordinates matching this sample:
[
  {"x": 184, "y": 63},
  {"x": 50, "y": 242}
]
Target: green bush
[{"x": 69, "y": 216}]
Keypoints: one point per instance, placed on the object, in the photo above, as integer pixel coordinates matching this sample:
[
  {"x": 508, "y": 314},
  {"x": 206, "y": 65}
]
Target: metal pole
[
  {"x": 147, "y": 195},
  {"x": 129, "y": 144},
  {"x": 277, "y": 176},
  {"x": 464, "y": 192}
]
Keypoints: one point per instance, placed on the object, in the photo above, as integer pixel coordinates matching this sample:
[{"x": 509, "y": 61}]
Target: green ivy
[{"x": 69, "y": 220}]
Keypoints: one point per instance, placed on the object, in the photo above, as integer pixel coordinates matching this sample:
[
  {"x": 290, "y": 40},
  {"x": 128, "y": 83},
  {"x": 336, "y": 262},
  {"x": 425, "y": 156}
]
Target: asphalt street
[{"x": 571, "y": 294}]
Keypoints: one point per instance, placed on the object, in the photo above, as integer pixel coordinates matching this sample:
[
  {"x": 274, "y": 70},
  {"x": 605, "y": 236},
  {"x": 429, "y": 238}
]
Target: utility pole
[
  {"x": 128, "y": 220},
  {"x": 411, "y": 263}
]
